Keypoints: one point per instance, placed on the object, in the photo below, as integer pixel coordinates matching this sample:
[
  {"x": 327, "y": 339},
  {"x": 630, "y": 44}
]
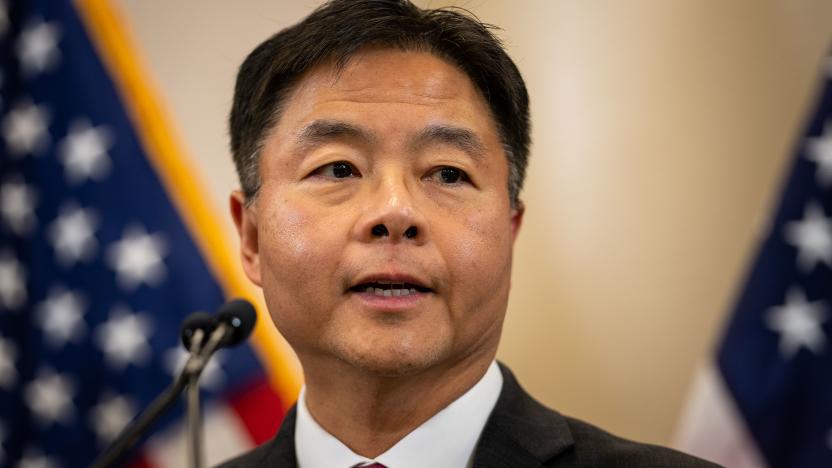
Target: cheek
[
  {"x": 285, "y": 236},
  {"x": 291, "y": 255},
  {"x": 481, "y": 259},
  {"x": 298, "y": 236}
]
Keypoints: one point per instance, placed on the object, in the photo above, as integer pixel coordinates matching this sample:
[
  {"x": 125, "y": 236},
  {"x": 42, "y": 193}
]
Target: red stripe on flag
[
  {"x": 259, "y": 408},
  {"x": 140, "y": 462}
]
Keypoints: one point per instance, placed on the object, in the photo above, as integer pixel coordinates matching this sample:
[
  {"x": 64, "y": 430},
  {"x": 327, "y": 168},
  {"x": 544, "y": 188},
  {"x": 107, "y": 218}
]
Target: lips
[{"x": 390, "y": 286}]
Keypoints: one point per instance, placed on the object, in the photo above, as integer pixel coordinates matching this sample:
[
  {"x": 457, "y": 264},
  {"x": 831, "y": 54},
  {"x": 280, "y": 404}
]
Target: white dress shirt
[{"x": 446, "y": 440}]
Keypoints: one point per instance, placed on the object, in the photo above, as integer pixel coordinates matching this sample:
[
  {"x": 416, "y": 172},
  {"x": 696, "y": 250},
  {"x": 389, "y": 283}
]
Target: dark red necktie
[{"x": 371, "y": 465}]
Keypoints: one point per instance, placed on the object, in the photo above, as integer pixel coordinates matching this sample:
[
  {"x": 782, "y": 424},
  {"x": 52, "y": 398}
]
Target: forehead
[
  {"x": 380, "y": 73},
  {"x": 404, "y": 87}
]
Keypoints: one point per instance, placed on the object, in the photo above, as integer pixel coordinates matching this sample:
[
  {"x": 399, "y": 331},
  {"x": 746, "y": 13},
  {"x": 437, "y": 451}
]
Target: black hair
[{"x": 336, "y": 31}]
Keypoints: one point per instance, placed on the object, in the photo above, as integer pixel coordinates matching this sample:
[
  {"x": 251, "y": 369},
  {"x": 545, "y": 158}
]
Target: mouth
[{"x": 390, "y": 287}]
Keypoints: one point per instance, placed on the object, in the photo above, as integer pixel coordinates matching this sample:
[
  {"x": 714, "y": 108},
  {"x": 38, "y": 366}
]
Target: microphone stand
[
  {"x": 187, "y": 379},
  {"x": 194, "y": 369},
  {"x": 192, "y": 403},
  {"x": 234, "y": 322}
]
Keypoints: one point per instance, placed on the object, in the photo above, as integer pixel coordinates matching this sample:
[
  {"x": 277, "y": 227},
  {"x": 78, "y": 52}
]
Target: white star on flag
[
  {"x": 12, "y": 285},
  {"x": 17, "y": 203},
  {"x": 799, "y": 323},
  {"x": 72, "y": 234},
  {"x": 819, "y": 150},
  {"x": 110, "y": 416},
  {"x": 61, "y": 317},
  {"x": 49, "y": 397},
  {"x": 8, "y": 370},
  {"x": 812, "y": 236},
  {"x": 212, "y": 376},
  {"x": 137, "y": 258},
  {"x": 37, "y": 47},
  {"x": 33, "y": 458},
  {"x": 123, "y": 338},
  {"x": 84, "y": 152},
  {"x": 25, "y": 129}
]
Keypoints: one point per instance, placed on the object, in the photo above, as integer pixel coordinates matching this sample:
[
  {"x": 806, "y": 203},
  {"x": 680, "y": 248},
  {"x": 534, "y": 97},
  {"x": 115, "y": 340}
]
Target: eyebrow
[
  {"x": 321, "y": 131},
  {"x": 462, "y": 138}
]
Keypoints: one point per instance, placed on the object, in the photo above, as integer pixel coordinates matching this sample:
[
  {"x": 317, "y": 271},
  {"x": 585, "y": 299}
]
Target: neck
[{"x": 369, "y": 413}]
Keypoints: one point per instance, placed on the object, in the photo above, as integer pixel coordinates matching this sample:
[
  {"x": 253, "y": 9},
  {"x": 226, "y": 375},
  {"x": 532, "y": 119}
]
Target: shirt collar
[{"x": 446, "y": 439}]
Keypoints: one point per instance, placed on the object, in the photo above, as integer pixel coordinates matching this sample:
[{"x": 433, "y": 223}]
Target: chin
[{"x": 393, "y": 359}]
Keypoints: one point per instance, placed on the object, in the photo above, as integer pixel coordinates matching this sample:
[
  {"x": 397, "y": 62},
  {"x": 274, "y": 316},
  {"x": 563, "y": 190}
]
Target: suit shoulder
[
  {"x": 276, "y": 453},
  {"x": 594, "y": 446}
]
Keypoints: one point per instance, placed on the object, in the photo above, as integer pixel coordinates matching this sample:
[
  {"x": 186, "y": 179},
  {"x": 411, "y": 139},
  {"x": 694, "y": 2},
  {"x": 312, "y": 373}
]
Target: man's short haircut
[{"x": 339, "y": 29}]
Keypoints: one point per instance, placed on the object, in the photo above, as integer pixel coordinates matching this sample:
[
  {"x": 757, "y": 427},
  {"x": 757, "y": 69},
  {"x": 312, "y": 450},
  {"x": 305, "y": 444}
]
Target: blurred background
[{"x": 661, "y": 132}]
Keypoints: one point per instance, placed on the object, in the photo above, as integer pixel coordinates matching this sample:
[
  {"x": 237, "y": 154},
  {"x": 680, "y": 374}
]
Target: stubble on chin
[{"x": 391, "y": 355}]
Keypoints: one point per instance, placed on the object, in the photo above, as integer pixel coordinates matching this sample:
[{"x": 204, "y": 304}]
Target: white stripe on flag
[
  {"x": 225, "y": 436},
  {"x": 711, "y": 427}
]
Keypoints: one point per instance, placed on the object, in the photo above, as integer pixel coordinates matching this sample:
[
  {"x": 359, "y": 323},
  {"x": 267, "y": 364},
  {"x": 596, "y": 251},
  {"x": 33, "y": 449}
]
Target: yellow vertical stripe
[{"x": 110, "y": 37}]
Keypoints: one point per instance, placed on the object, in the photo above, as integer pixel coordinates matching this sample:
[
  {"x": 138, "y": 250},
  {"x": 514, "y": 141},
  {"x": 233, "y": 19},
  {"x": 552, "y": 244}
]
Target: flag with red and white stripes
[{"x": 98, "y": 266}]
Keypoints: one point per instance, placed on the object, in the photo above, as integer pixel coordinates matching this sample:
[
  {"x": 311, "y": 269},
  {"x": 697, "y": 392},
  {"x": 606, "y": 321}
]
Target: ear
[
  {"x": 245, "y": 219},
  {"x": 517, "y": 219}
]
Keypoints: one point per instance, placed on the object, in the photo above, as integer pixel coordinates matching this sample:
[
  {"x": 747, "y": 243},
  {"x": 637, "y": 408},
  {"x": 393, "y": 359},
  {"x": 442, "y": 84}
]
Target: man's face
[{"x": 382, "y": 233}]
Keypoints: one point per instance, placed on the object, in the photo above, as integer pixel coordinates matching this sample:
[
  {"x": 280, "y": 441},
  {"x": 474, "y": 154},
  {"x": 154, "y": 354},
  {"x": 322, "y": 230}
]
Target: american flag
[
  {"x": 97, "y": 267},
  {"x": 774, "y": 362}
]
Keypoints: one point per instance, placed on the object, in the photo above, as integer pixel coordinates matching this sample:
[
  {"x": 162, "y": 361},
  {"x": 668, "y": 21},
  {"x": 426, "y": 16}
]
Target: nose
[
  {"x": 380, "y": 230},
  {"x": 392, "y": 215}
]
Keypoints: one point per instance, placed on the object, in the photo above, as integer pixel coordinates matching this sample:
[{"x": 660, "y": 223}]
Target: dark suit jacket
[{"x": 519, "y": 433}]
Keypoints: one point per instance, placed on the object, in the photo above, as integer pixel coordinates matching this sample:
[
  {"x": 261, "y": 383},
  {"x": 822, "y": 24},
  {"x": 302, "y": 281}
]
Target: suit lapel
[
  {"x": 520, "y": 431},
  {"x": 281, "y": 453}
]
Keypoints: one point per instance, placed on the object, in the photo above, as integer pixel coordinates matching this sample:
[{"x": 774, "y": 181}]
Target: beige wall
[{"x": 660, "y": 131}]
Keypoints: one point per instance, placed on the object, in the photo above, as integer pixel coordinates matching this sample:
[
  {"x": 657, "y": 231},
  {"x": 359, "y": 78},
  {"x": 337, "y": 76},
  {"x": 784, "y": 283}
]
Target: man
[{"x": 381, "y": 150}]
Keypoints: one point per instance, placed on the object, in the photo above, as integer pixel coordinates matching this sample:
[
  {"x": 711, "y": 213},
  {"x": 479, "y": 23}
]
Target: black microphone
[
  {"x": 196, "y": 322},
  {"x": 239, "y": 317},
  {"x": 231, "y": 326}
]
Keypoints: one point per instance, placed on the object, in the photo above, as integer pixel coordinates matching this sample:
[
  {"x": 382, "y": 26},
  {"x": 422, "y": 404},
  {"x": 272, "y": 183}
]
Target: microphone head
[
  {"x": 239, "y": 315},
  {"x": 197, "y": 321}
]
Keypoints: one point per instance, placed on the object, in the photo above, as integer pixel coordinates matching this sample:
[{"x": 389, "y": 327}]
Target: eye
[
  {"x": 449, "y": 175},
  {"x": 337, "y": 170}
]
